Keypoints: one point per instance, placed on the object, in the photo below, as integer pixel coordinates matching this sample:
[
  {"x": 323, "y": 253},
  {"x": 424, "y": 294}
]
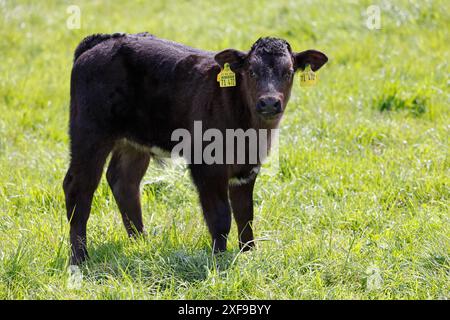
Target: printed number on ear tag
[
  {"x": 308, "y": 78},
  {"x": 226, "y": 77}
]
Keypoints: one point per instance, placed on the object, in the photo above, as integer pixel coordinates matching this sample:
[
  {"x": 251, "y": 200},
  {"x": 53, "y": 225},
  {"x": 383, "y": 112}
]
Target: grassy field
[{"x": 358, "y": 210}]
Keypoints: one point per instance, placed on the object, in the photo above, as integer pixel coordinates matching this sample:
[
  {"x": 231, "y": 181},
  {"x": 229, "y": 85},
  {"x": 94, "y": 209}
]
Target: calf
[{"x": 129, "y": 93}]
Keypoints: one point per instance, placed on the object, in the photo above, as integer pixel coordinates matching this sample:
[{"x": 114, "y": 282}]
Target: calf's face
[{"x": 267, "y": 73}]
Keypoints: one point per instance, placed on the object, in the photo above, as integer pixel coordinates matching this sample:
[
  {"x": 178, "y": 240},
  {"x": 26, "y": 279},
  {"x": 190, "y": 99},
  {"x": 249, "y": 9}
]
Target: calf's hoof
[{"x": 247, "y": 246}]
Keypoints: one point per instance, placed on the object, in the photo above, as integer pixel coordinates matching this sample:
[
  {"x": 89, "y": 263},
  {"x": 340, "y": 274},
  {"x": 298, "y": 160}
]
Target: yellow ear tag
[
  {"x": 308, "y": 78},
  {"x": 226, "y": 77}
]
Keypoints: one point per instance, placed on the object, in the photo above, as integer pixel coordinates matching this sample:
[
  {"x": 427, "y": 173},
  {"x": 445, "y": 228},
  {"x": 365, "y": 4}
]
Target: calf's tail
[{"x": 91, "y": 41}]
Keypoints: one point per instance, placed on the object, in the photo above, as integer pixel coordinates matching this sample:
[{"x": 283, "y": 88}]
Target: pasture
[{"x": 359, "y": 208}]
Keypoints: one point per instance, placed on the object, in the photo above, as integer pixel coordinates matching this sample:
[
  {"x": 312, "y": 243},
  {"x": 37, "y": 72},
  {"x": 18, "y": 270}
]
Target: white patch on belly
[
  {"x": 153, "y": 150},
  {"x": 240, "y": 181},
  {"x": 159, "y": 152}
]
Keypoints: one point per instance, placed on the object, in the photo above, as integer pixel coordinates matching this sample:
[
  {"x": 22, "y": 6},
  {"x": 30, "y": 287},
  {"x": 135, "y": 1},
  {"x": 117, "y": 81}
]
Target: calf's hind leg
[
  {"x": 125, "y": 172},
  {"x": 88, "y": 156}
]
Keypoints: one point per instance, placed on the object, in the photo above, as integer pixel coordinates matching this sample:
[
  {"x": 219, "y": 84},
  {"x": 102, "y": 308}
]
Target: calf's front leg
[
  {"x": 241, "y": 197},
  {"x": 213, "y": 193}
]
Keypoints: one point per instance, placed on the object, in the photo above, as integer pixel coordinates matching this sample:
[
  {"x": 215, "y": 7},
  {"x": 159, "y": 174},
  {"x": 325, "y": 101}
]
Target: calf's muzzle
[{"x": 269, "y": 107}]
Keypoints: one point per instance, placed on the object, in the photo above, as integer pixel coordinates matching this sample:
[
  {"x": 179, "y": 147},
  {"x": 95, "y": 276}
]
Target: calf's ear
[
  {"x": 234, "y": 57},
  {"x": 314, "y": 58}
]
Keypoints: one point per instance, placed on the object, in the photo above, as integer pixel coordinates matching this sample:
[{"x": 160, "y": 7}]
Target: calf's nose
[{"x": 268, "y": 106}]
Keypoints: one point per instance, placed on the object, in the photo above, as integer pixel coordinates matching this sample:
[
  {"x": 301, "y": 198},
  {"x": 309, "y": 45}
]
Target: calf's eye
[{"x": 252, "y": 74}]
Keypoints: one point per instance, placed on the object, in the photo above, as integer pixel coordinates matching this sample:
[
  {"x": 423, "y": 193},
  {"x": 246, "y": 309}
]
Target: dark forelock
[{"x": 269, "y": 45}]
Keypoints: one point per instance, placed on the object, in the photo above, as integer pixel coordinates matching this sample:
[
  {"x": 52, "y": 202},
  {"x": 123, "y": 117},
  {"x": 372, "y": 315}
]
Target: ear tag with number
[
  {"x": 226, "y": 77},
  {"x": 308, "y": 78}
]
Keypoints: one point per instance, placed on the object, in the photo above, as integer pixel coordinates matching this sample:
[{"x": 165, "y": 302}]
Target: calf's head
[{"x": 267, "y": 72}]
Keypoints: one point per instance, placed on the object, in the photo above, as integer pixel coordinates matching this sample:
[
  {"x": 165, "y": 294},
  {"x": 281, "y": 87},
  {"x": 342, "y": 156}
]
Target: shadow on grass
[{"x": 119, "y": 259}]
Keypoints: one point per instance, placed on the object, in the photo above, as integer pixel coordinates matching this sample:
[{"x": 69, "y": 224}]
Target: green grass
[{"x": 358, "y": 210}]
